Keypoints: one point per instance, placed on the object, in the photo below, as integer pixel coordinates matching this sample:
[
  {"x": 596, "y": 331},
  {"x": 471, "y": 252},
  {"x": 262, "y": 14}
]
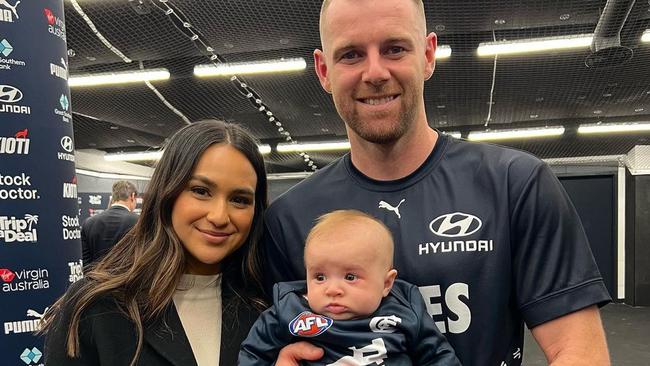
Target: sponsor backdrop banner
[{"x": 40, "y": 249}]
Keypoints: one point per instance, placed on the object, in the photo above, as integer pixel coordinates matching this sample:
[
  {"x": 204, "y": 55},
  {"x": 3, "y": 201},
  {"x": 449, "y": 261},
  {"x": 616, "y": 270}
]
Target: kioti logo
[
  {"x": 8, "y": 12},
  {"x": 308, "y": 324},
  {"x": 70, "y": 189},
  {"x": 455, "y": 224},
  {"x": 18, "y": 144}
]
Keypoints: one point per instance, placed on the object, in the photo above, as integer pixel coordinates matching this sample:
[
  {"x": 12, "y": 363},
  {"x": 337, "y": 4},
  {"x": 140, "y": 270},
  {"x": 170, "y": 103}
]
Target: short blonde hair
[
  {"x": 333, "y": 220},
  {"x": 419, "y": 4}
]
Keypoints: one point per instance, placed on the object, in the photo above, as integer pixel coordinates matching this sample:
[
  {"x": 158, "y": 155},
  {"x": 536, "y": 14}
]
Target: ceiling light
[
  {"x": 534, "y": 45},
  {"x": 646, "y": 36},
  {"x": 244, "y": 68},
  {"x": 614, "y": 127},
  {"x": 315, "y": 146},
  {"x": 515, "y": 133},
  {"x": 156, "y": 155},
  {"x": 454, "y": 134},
  {"x": 443, "y": 51},
  {"x": 121, "y": 77}
]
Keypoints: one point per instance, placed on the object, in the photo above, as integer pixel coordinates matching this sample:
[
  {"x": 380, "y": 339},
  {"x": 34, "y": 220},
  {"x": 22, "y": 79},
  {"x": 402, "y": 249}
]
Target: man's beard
[{"x": 370, "y": 132}]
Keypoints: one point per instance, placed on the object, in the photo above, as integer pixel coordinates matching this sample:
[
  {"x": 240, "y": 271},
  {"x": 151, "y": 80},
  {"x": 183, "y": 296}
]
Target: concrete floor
[{"x": 628, "y": 337}]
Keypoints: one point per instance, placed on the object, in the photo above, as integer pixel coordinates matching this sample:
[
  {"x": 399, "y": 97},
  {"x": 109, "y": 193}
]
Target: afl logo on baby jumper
[
  {"x": 308, "y": 324},
  {"x": 455, "y": 224}
]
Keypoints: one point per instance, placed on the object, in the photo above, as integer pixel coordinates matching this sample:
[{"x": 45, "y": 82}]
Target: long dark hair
[{"x": 142, "y": 271}]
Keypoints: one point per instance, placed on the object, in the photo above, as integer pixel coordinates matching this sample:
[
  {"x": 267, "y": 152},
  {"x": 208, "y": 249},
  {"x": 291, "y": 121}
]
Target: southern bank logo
[
  {"x": 60, "y": 71},
  {"x": 70, "y": 189},
  {"x": 55, "y": 25},
  {"x": 29, "y": 325},
  {"x": 32, "y": 279},
  {"x": 17, "y": 144},
  {"x": 71, "y": 229},
  {"x": 17, "y": 187},
  {"x": 455, "y": 224},
  {"x": 8, "y": 12},
  {"x": 9, "y": 95},
  {"x": 64, "y": 112},
  {"x": 68, "y": 148},
  {"x": 7, "y": 49},
  {"x": 31, "y": 356},
  {"x": 15, "y": 230}
]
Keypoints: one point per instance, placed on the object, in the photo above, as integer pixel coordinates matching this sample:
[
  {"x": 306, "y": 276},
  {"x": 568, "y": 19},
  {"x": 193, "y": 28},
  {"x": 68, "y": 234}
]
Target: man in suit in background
[{"x": 100, "y": 232}]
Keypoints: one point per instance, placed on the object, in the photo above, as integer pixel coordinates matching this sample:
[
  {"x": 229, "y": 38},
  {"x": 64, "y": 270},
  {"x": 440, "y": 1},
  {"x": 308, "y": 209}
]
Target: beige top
[{"x": 198, "y": 302}]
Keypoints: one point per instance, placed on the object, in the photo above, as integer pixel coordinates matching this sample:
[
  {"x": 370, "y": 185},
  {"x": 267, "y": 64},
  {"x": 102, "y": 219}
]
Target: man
[
  {"x": 100, "y": 232},
  {"x": 487, "y": 233}
]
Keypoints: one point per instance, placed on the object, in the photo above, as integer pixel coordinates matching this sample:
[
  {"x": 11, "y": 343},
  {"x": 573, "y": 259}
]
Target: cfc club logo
[
  {"x": 385, "y": 324},
  {"x": 55, "y": 25},
  {"x": 31, "y": 356},
  {"x": 8, "y": 96},
  {"x": 308, "y": 324},
  {"x": 8, "y": 12},
  {"x": 24, "y": 280},
  {"x": 455, "y": 224},
  {"x": 18, "y": 230},
  {"x": 18, "y": 144}
]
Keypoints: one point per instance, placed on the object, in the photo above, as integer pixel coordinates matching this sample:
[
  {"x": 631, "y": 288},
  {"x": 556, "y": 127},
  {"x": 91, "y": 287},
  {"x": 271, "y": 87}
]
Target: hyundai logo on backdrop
[
  {"x": 17, "y": 144},
  {"x": 11, "y": 94},
  {"x": 68, "y": 147},
  {"x": 8, "y": 11}
]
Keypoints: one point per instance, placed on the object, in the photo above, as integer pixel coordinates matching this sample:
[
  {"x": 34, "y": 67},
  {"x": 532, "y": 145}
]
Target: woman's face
[{"x": 213, "y": 214}]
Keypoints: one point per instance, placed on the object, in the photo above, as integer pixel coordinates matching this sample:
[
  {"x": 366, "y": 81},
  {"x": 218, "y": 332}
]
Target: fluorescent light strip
[
  {"x": 124, "y": 77},
  {"x": 110, "y": 175},
  {"x": 454, "y": 134},
  {"x": 156, "y": 155},
  {"x": 646, "y": 36},
  {"x": 534, "y": 45},
  {"x": 316, "y": 146},
  {"x": 443, "y": 51},
  {"x": 245, "y": 68},
  {"x": 515, "y": 133},
  {"x": 613, "y": 127}
]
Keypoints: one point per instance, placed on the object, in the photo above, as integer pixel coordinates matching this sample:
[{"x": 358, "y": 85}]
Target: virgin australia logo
[{"x": 455, "y": 225}]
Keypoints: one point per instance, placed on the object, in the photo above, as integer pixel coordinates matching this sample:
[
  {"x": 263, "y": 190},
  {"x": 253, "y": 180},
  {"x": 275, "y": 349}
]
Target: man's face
[{"x": 374, "y": 61}]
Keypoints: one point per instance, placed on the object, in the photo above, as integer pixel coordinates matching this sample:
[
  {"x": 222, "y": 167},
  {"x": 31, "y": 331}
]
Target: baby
[{"x": 351, "y": 304}]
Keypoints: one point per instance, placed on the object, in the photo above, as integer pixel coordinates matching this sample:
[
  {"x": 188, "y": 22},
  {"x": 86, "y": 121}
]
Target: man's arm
[{"x": 574, "y": 339}]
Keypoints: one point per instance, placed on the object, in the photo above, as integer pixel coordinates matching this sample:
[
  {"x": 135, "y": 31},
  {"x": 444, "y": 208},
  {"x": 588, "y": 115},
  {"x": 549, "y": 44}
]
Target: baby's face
[{"x": 347, "y": 276}]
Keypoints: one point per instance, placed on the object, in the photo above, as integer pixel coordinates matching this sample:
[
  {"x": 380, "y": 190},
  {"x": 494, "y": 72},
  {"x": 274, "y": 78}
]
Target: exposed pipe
[{"x": 606, "y": 46}]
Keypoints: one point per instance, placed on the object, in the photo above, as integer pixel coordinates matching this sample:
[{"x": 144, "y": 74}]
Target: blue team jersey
[{"x": 487, "y": 233}]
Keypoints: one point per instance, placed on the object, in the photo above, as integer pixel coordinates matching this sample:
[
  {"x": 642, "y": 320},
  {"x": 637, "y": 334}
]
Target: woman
[{"x": 183, "y": 287}]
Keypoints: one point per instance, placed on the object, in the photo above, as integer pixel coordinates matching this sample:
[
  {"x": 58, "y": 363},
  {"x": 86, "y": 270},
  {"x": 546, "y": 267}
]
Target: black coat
[
  {"x": 100, "y": 232},
  {"x": 108, "y": 338}
]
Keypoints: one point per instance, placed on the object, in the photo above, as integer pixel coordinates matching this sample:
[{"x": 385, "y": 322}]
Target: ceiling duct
[{"x": 606, "y": 46}]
